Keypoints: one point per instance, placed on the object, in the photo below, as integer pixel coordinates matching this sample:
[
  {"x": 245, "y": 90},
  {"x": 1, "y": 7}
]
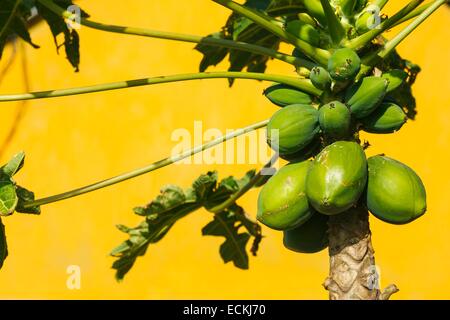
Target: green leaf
[
  {"x": 174, "y": 203},
  {"x": 12, "y": 196},
  {"x": 8, "y": 196},
  {"x": 239, "y": 28},
  {"x": 25, "y": 196},
  {"x": 212, "y": 55},
  {"x": 229, "y": 224},
  {"x": 403, "y": 95},
  {"x": 17, "y": 24},
  {"x": 3, "y": 244},
  {"x": 14, "y": 165},
  {"x": 59, "y": 26}
]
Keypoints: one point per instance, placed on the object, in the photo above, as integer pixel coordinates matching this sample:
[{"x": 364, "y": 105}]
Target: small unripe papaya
[
  {"x": 396, "y": 78},
  {"x": 366, "y": 95},
  {"x": 395, "y": 193},
  {"x": 306, "y": 18},
  {"x": 282, "y": 202},
  {"x": 337, "y": 177},
  {"x": 387, "y": 118},
  {"x": 283, "y": 95},
  {"x": 334, "y": 119},
  {"x": 366, "y": 21},
  {"x": 320, "y": 78},
  {"x": 304, "y": 32},
  {"x": 292, "y": 128},
  {"x": 310, "y": 237},
  {"x": 344, "y": 64}
]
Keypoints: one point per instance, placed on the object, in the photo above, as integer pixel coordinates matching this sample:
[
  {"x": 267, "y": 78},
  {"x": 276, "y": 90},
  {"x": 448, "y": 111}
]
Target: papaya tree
[{"x": 347, "y": 77}]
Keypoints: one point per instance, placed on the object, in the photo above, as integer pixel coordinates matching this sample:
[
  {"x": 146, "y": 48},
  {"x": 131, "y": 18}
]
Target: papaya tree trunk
[{"x": 353, "y": 274}]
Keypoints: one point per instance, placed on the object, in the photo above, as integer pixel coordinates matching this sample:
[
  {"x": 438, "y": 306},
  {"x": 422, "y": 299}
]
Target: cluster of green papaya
[{"x": 328, "y": 171}]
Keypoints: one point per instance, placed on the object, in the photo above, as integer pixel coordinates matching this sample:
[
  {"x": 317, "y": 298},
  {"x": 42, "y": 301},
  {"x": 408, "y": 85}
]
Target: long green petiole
[
  {"x": 256, "y": 179},
  {"x": 179, "y": 37},
  {"x": 317, "y": 54},
  {"x": 302, "y": 84},
  {"x": 385, "y": 25},
  {"x": 413, "y": 14},
  {"x": 370, "y": 61},
  {"x": 152, "y": 167}
]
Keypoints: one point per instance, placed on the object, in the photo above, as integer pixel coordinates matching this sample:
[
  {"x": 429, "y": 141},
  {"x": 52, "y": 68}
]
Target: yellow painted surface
[{"x": 74, "y": 141}]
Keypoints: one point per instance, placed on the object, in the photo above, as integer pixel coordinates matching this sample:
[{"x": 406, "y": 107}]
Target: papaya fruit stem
[
  {"x": 226, "y": 43},
  {"x": 319, "y": 55},
  {"x": 385, "y": 25},
  {"x": 152, "y": 167},
  {"x": 254, "y": 181},
  {"x": 413, "y": 14},
  {"x": 301, "y": 84},
  {"x": 353, "y": 274}
]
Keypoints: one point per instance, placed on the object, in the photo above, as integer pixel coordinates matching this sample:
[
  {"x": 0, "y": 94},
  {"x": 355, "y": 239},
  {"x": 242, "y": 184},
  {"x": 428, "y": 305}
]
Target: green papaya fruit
[
  {"x": 396, "y": 78},
  {"x": 337, "y": 177},
  {"x": 292, "y": 128},
  {"x": 310, "y": 237},
  {"x": 366, "y": 95},
  {"x": 334, "y": 119},
  {"x": 347, "y": 6},
  {"x": 366, "y": 21},
  {"x": 320, "y": 78},
  {"x": 344, "y": 64},
  {"x": 395, "y": 193},
  {"x": 306, "y": 18},
  {"x": 282, "y": 202},
  {"x": 387, "y": 118},
  {"x": 304, "y": 32},
  {"x": 315, "y": 10},
  {"x": 283, "y": 95}
]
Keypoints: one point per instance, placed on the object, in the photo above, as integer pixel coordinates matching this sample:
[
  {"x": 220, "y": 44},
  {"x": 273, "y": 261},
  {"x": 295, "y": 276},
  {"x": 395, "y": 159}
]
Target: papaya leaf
[
  {"x": 25, "y": 196},
  {"x": 3, "y": 244},
  {"x": 239, "y": 28},
  {"x": 233, "y": 249},
  {"x": 14, "y": 165},
  {"x": 172, "y": 204},
  {"x": 12, "y": 196},
  {"x": 229, "y": 224},
  {"x": 59, "y": 26},
  {"x": 8, "y": 196},
  {"x": 14, "y": 22},
  {"x": 403, "y": 95}
]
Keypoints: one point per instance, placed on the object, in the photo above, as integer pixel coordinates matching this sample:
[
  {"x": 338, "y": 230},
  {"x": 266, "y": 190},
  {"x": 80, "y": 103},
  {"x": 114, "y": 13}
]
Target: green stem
[
  {"x": 317, "y": 54},
  {"x": 256, "y": 179},
  {"x": 394, "y": 42},
  {"x": 336, "y": 30},
  {"x": 154, "y": 166},
  {"x": 370, "y": 61},
  {"x": 302, "y": 84},
  {"x": 365, "y": 38},
  {"x": 413, "y": 14},
  {"x": 10, "y": 19},
  {"x": 237, "y": 45}
]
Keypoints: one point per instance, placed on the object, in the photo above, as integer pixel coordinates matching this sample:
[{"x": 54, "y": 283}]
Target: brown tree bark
[{"x": 353, "y": 274}]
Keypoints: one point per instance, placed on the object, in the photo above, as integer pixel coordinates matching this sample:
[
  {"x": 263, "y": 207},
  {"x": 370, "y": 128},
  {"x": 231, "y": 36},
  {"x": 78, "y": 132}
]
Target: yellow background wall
[{"x": 74, "y": 141}]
